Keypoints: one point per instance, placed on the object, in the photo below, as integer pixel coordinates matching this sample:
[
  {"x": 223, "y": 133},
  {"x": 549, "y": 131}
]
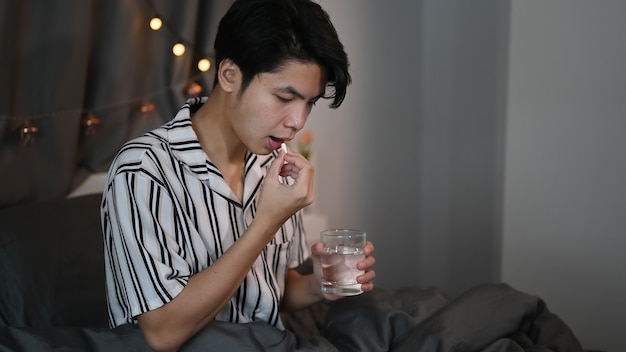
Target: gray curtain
[{"x": 61, "y": 60}]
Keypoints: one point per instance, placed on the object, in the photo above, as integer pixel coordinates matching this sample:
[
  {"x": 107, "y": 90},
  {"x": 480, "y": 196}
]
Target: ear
[{"x": 228, "y": 75}]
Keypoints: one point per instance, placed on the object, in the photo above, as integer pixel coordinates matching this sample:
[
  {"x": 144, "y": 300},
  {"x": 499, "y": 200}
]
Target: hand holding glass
[{"x": 343, "y": 250}]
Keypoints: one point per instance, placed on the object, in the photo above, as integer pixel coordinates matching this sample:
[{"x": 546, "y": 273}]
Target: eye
[{"x": 284, "y": 99}]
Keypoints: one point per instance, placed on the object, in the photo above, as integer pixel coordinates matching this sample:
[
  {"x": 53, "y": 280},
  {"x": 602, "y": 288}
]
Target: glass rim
[{"x": 343, "y": 232}]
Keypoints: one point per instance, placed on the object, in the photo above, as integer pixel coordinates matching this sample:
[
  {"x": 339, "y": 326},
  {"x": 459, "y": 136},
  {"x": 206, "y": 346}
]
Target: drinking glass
[{"x": 343, "y": 249}]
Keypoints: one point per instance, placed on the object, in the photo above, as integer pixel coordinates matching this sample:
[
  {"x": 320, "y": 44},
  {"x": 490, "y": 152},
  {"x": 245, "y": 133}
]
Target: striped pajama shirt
[{"x": 167, "y": 214}]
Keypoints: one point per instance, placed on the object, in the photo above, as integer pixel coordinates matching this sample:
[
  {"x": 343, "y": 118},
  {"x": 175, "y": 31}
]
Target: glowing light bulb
[
  {"x": 193, "y": 90},
  {"x": 27, "y": 133},
  {"x": 204, "y": 65},
  {"x": 178, "y": 49},
  {"x": 146, "y": 107},
  {"x": 156, "y": 23},
  {"x": 89, "y": 122}
]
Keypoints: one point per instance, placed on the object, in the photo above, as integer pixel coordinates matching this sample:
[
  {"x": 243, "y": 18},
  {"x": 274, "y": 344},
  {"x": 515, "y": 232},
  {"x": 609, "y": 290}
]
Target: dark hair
[{"x": 261, "y": 35}]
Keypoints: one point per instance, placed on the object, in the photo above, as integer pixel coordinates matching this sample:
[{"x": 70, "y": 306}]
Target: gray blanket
[
  {"x": 52, "y": 298},
  {"x": 486, "y": 318}
]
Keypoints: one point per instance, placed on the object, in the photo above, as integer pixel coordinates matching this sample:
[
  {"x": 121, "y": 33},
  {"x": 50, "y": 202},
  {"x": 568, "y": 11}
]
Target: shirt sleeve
[{"x": 145, "y": 268}]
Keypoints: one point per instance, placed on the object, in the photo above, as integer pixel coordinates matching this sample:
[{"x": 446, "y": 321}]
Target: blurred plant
[{"x": 303, "y": 143}]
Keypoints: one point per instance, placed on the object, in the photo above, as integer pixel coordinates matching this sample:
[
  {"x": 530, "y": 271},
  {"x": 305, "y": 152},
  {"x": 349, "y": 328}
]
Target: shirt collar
[
  {"x": 186, "y": 148},
  {"x": 184, "y": 143}
]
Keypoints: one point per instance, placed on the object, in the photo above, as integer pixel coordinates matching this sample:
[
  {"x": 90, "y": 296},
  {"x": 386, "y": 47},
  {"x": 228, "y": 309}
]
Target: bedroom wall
[
  {"x": 412, "y": 155},
  {"x": 366, "y": 152},
  {"x": 464, "y": 158},
  {"x": 565, "y": 195}
]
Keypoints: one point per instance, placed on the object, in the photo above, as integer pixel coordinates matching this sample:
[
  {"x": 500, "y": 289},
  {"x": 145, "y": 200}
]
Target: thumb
[
  {"x": 276, "y": 165},
  {"x": 317, "y": 249}
]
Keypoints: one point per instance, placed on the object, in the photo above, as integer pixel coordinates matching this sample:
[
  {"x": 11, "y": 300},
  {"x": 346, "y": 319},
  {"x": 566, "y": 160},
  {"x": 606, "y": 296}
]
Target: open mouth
[{"x": 275, "y": 143}]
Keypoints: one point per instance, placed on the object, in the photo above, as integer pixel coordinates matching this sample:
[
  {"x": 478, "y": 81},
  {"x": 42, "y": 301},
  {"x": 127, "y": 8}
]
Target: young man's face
[{"x": 276, "y": 105}]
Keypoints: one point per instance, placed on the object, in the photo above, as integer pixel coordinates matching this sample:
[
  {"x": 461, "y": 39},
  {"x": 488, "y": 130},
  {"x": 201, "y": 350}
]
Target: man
[{"x": 201, "y": 217}]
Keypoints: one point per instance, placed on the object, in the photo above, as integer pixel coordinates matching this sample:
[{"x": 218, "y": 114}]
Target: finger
[
  {"x": 289, "y": 170},
  {"x": 367, "y": 277},
  {"x": 366, "y": 263},
  {"x": 368, "y": 249},
  {"x": 296, "y": 162},
  {"x": 367, "y": 287},
  {"x": 317, "y": 249},
  {"x": 296, "y": 159},
  {"x": 303, "y": 178},
  {"x": 276, "y": 165}
]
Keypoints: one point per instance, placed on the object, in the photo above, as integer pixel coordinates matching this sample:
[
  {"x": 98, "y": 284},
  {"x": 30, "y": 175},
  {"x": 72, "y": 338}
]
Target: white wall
[
  {"x": 564, "y": 234},
  {"x": 463, "y": 62},
  {"x": 411, "y": 156},
  {"x": 365, "y": 151},
  {"x": 481, "y": 138}
]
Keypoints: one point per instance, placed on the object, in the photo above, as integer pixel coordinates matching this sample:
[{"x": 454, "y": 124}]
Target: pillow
[{"x": 51, "y": 264}]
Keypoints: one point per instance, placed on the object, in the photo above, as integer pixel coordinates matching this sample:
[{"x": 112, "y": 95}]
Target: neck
[
  {"x": 218, "y": 140},
  {"x": 220, "y": 143}
]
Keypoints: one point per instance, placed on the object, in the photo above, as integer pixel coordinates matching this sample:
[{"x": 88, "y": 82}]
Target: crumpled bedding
[
  {"x": 52, "y": 278},
  {"x": 486, "y": 318}
]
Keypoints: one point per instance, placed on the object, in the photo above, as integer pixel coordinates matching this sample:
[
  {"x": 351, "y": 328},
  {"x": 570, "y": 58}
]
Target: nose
[{"x": 297, "y": 117}]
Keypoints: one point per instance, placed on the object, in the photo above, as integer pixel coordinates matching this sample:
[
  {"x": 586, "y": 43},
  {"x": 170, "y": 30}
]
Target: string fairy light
[
  {"x": 89, "y": 123},
  {"x": 204, "y": 65},
  {"x": 193, "y": 90},
  {"x": 146, "y": 108},
  {"x": 27, "y": 132},
  {"x": 156, "y": 23},
  {"x": 178, "y": 49},
  {"x": 89, "y": 120}
]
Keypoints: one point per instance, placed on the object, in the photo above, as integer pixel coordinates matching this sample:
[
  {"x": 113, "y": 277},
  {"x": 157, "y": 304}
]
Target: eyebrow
[{"x": 292, "y": 90}]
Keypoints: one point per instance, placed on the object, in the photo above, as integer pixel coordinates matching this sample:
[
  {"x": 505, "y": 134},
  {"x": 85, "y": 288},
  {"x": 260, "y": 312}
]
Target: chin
[{"x": 262, "y": 151}]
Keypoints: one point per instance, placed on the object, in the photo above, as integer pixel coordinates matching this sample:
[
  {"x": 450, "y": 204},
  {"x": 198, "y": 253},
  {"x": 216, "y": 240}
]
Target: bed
[{"x": 52, "y": 298}]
